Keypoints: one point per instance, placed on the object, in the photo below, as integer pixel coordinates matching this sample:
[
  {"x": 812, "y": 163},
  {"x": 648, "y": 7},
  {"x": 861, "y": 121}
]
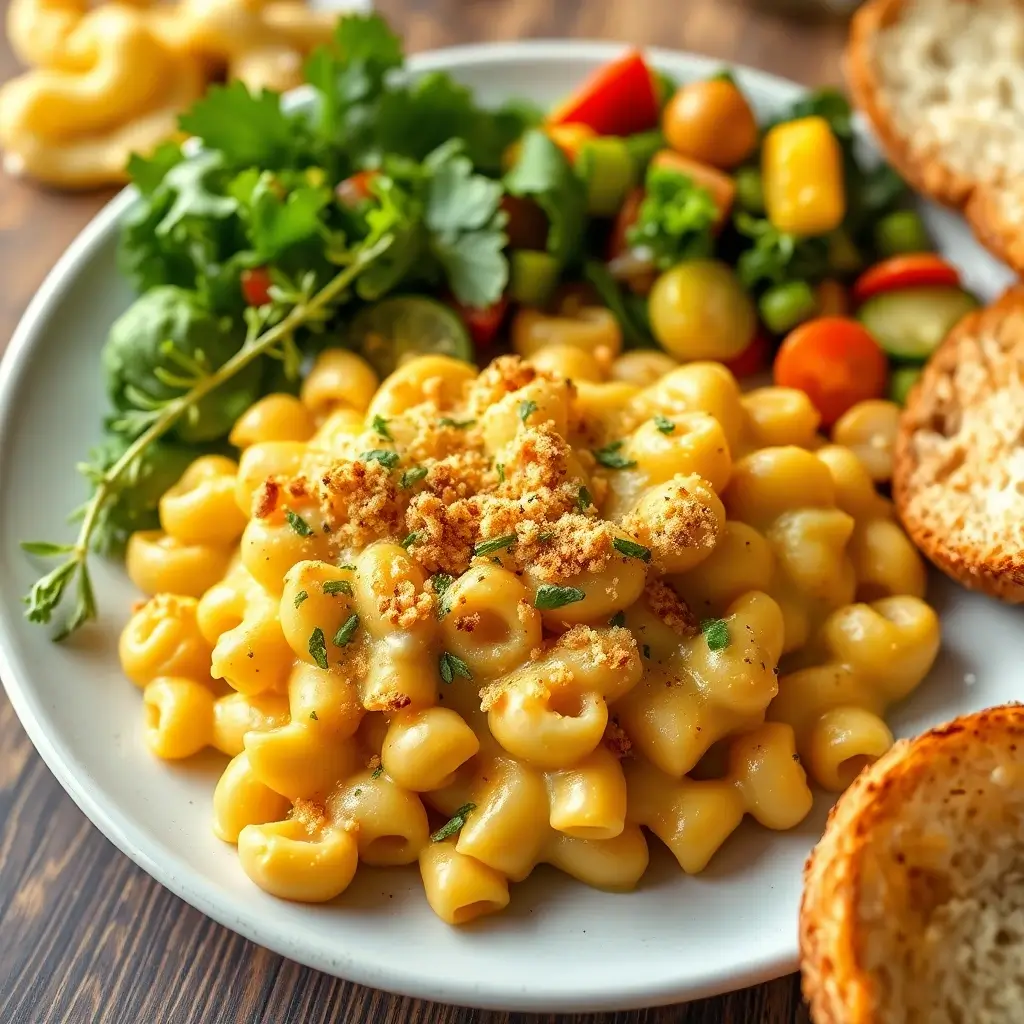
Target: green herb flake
[
  {"x": 716, "y": 633},
  {"x": 485, "y": 547},
  {"x": 631, "y": 549},
  {"x": 611, "y": 456},
  {"x": 453, "y": 825},
  {"x": 447, "y": 421},
  {"x": 380, "y": 428},
  {"x": 314, "y": 716},
  {"x": 332, "y": 587},
  {"x": 664, "y": 424},
  {"x": 298, "y": 524},
  {"x": 300, "y": 597},
  {"x": 377, "y": 772},
  {"x": 527, "y": 409},
  {"x": 356, "y": 791},
  {"x": 546, "y": 536},
  {"x": 346, "y": 631},
  {"x": 318, "y": 648},
  {"x": 647, "y": 650},
  {"x": 451, "y": 666},
  {"x": 411, "y": 477},
  {"x": 550, "y": 596},
  {"x": 584, "y": 500},
  {"x": 442, "y": 581},
  {"x": 618, "y": 619},
  {"x": 387, "y": 459},
  {"x": 500, "y": 467},
  {"x": 410, "y": 539},
  {"x": 347, "y": 565}
]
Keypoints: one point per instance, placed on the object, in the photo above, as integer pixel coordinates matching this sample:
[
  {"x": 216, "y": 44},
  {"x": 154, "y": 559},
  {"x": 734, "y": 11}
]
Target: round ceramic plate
[{"x": 560, "y": 945}]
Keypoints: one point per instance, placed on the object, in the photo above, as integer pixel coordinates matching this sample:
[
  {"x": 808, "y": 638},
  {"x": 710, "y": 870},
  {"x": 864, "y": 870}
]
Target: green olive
[{"x": 699, "y": 310}]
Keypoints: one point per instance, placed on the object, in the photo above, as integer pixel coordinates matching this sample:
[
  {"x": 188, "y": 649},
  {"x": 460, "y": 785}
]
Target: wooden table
[{"x": 85, "y": 935}]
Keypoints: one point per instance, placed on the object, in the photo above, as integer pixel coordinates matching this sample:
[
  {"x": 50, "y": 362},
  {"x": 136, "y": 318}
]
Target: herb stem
[{"x": 252, "y": 348}]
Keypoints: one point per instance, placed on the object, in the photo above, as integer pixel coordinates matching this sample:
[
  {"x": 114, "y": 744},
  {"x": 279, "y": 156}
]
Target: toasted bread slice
[
  {"x": 913, "y": 908},
  {"x": 958, "y": 465},
  {"x": 940, "y": 82}
]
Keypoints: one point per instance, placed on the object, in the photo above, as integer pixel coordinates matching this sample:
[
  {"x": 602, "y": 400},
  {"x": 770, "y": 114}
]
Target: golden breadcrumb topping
[
  {"x": 360, "y": 502},
  {"x": 680, "y": 519},
  {"x": 670, "y": 608}
]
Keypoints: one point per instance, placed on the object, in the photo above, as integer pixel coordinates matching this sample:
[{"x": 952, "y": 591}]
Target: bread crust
[
  {"x": 833, "y": 937},
  {"x": 979, "y": 202},
  {"x": 976, "y": 562}
]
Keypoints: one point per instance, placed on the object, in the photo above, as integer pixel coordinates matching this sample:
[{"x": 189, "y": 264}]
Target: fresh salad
[{"x": 396, "y": 216}]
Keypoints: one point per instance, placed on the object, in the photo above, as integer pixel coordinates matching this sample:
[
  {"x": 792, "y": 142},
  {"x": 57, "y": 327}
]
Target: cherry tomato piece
[
  {"x": 711, "y": 122},
  {"x": 754, "y": 358},
  {"x": 915, "y": 270},
  {"x": 354, "y": 191},
  {"x": 835, "y": 361},
  {"x": 256, "y": 286},
  {"x": 620, "y": 98},
  {"x": 483, "y": 324}
]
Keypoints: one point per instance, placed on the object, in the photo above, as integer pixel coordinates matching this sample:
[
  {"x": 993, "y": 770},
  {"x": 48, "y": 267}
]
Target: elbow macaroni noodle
[{"x": 479, "y": 598}]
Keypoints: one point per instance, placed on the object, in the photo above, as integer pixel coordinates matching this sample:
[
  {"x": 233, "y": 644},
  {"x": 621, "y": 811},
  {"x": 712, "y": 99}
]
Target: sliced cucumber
[
  {"x": 901, "y": 380},
  {"x": 609, "y": 171},
  {"x": 910, "y": 323},
  {"x": 388, "y": 331},
  {"x": 533, "y": 276}
]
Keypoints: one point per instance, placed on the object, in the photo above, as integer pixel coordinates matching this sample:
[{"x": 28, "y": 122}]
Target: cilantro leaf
[
  {"x": 248, "y": 129},
  {"x": 276, "y": 223},
  {"x": 544, "y": 174},
  {"x": 318, "y": 648},
  {"x": 346, "y": 631},
  {"x": 387, "y": 459},
  {"x": 611, "y": 456},
  {"x": 631, "y": 549},
  {"x": 777, "y": 256},
  {"x": 148, "y": 172},
  {"x": 675, "y": 220}
]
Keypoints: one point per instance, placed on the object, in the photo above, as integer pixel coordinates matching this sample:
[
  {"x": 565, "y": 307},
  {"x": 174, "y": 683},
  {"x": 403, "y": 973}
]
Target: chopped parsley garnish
[
  {"x": 314, "y": 716},
  {"x": 346, "y": 631},
  {"x": 611, "y": 456},
  {"x": 410, "y": 539},
  {"x": 300, "y": 597},
  {"x": 387, "y": 459},
  {"x": 447, "y": 421},
  {"x": 380, "y": 427},
  {"x": 485, "y": 547},
  {"x": 716, "y": 633},
  {"x": 631, "y": 549},
  {"x": 527, "y": 409},
  {"x": 618, "y": 619},
  {"x": 500, "y": 467},
  {"x": 664, "y": 424},
  {"x": 453, "y": 825},
  {"x": 347, "y": 565},
  {"x": 647, "y": 650},
  {"x": 318, "y": 648},
  {"x": 550, "y": 596},
  {"x": 332, "y": 587},
  {"x": 298, "y": 524},
  {"x": 546, "y": 536},
  {"x": 451, "y": 666},
  {"x": 584, "y": 500},
  {"x": 377, "y": 772},
  {"x": 411, "y": 477},
  {"x": 442, "y": 581}
]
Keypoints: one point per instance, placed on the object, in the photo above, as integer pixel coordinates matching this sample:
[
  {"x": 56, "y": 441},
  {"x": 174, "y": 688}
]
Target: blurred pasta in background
[{"x": 110, "y": 80}]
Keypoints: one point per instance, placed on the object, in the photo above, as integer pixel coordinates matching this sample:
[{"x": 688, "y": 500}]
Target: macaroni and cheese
[{"x": 483, "y": 621}]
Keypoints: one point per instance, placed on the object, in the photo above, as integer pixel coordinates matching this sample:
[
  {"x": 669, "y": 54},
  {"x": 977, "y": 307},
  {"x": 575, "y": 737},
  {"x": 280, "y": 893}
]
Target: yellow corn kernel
[{"x": 802, "y": 168}]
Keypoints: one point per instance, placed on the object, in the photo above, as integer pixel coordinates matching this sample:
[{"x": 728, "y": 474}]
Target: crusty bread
[
  {"x": 913, "y": 908},
  {"x": 942, "y": 83},
  {"x": 958, "y": 465}
]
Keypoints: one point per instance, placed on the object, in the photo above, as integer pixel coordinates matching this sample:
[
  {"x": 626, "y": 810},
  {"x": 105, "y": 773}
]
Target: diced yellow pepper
[{"x": 802, "y": 170}]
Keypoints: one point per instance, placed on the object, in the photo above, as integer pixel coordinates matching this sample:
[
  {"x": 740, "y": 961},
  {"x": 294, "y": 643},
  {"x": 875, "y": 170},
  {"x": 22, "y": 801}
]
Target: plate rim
[{"x": 198, "y": 890}]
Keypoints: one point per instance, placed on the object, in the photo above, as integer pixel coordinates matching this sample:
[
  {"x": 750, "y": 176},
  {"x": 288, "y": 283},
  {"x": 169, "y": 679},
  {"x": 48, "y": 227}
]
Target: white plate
[{"x": 560, "y": 945}]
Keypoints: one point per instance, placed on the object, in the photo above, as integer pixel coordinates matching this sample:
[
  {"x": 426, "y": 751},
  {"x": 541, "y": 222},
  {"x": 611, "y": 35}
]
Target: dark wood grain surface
[{"x": 85, "y": 935}]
